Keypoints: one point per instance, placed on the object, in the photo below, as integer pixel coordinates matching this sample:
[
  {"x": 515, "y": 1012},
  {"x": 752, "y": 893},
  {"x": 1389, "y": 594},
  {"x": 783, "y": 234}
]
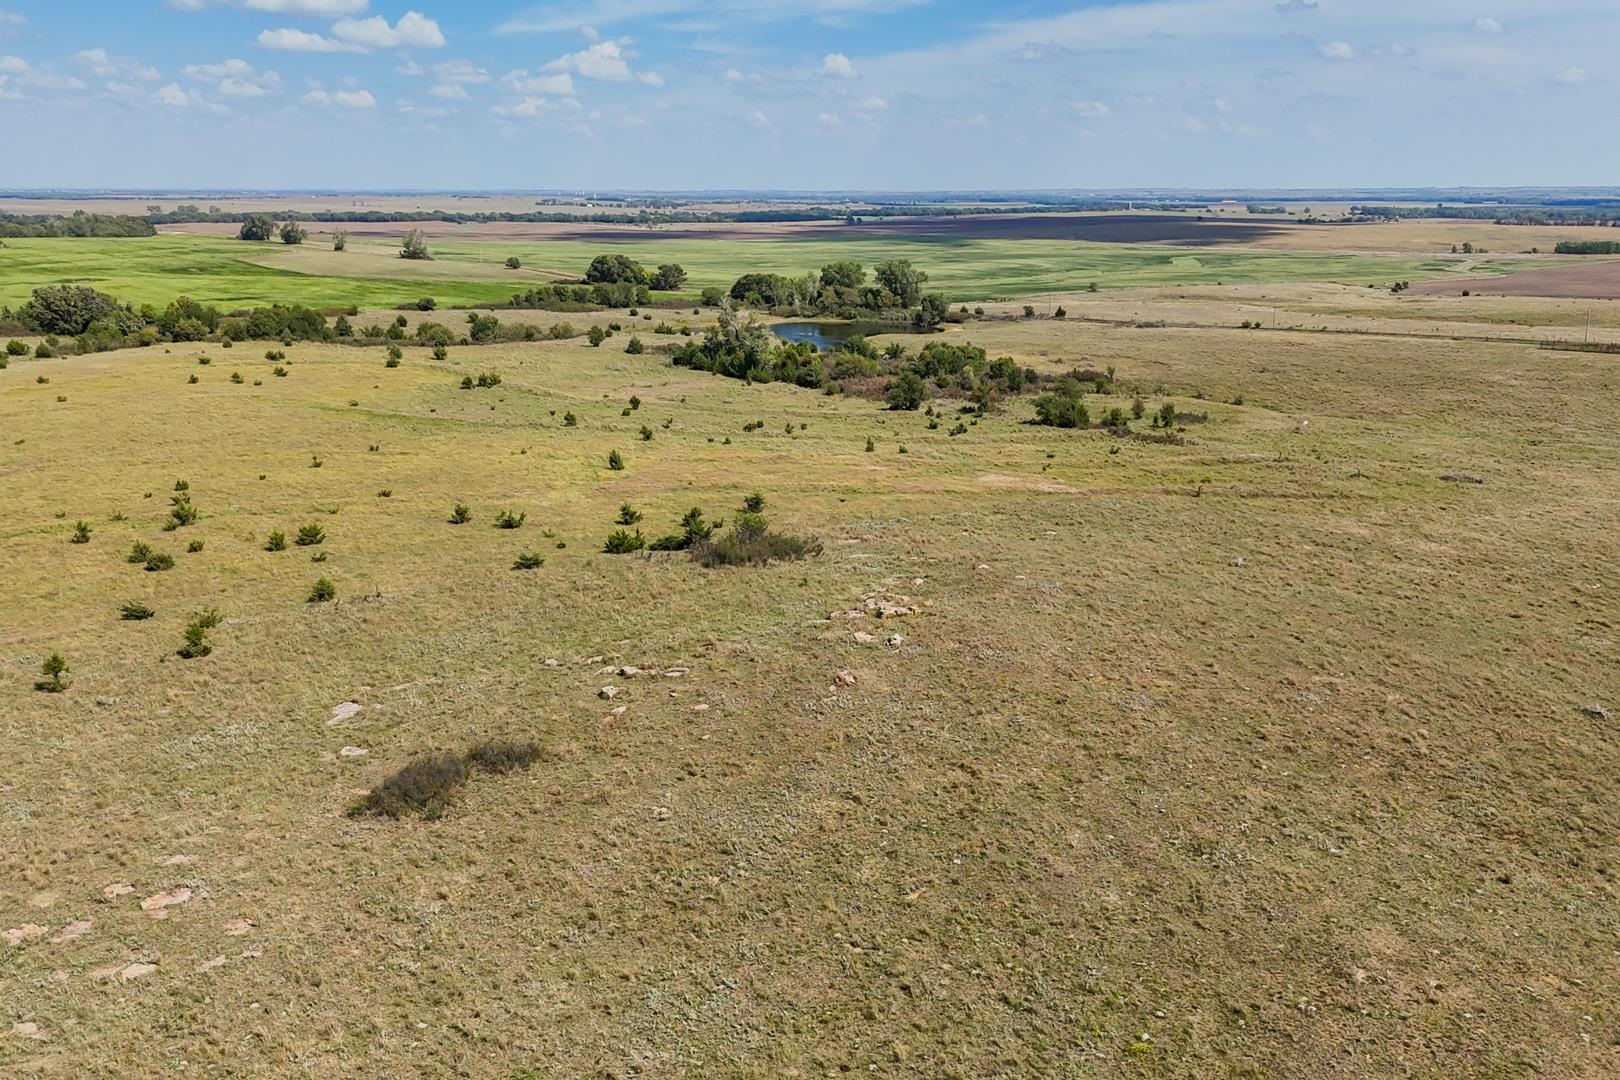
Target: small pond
[{"x": 828, "y": 336}]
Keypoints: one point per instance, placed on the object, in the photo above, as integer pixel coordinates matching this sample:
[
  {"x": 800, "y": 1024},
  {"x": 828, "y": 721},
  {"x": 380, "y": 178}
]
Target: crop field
[
  {"x": 470, "y": 272},
  {"x": 1282, "y": 747}
]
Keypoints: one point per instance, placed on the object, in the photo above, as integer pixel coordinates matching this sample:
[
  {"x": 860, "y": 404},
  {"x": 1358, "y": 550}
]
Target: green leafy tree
[
  {"x": 669, "y": 278},
  {"x": 902, "y": 279},
  {"x": 415, "y": 246},
  {"x": 257, "y": 227},
  {"x": 293, "y": 234}
]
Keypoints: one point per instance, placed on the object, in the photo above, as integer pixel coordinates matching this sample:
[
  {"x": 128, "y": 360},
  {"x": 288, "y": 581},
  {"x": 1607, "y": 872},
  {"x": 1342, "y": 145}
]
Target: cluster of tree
[
  {"x": 78, "y": 223},
  {"x": 1500, "y": 215},
  {"x": 1587, "y": 247},
  {"x": 623, "y": 270},
  {"x": 564, "y": 297},
  {"x": 740, "y": 346},
  {"x": 1256, "y": 208},
  {"x": 841, "y": 290},
  {"x": 100, "y": 323}
]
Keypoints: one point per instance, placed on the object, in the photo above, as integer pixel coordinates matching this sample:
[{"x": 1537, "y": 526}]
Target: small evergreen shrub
[
  {"x": 322, "y": 592},
  {"x": 615, "y": 461},
  {"x": 277, "y": 541},
  {"x": 502, "y": 756},
  {"x": 310, "y": 535},
  {"x": 81, "y": 532},
  {"x": 460, "y": 515},
  {"x": 624, "y": 542},
  {"x": 194, "y": 643},
  {"x": 635, "y": 347},
  {"x": 194, "y": 547},
  {"x": 159, "y": 561},
  {"x": 570, "y": 420},
  {"x": 140, "y": 552},
  {"x": 628, "y": 515},
  {"x": 52, "y": 668},
  {"x": 754, "y": 503},
  {"x": 528, "y": 561},
  {"x": 646, "y": 433},
  {"x": 135, "y": 611},
  {"x": 508, "y": 520}
]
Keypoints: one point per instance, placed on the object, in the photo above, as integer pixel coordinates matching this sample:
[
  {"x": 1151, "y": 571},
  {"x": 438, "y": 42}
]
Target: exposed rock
[
  {"x": 676, "y": 672},
  {"x": 893, "y": 641},
  {"x": 176, "y": 860},
  {"x": 77, "y": 928},
  {"x": 700, "y": 707},
  {"x": 158, "y": 903},
  {"x": 353, "y": 752},
  {"x": 19, "y": 934},
  {"x": 628, "y": 672},
  {"x": 608, "y": 693},
  {"x": 345, "y": 711},
  {"x": 1594, "y": 711},
  {"x": 27, "y": 1030},
  {"x": 117, "y": 889},
  {"x": 211, "y": 963},
  {"x": 863, "y": 638},
  {"x": 845, "y": 678},
  {"x": 238, "y": 927}
]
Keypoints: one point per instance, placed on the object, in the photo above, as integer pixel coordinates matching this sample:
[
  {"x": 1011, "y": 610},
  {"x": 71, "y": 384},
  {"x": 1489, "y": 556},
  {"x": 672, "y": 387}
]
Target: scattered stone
[
  {"x": 114, "y": 891},
  {"x": 1238, "y": 561},
  {"x": 700, "y": 707},
  {"x": 211, "y": 963},
  {"x": 608, "y": 693},
  {"x": 159, "y": 903},
  {"x": 250, "y": 954},
  {"x": 76, "y": 929},
  {"x": 982, "y": 566},
  {"x": 135, "y": 971},
  {"x": 25, "y": 932},
  {"x": 348, "y": 710},
  {"x": 660, "y": 813},
  {"x": 618, "y": 710},
  {"x": 238, "y": 927},
  {"x": 593, "y": 659},
  {"x": 863, "y": 638},
  {"x": 893, "y": 641},
  {"x": 176, "y": 860},
  {"x": 852, "y": 613},
  {"x": 353, "y": 751},
  {"x": 43, "y": 899},
  {"x": 1462, "y": 478},
  {"x": 552, "y": 661},
  {"x": 28, "y": 1030},
  {"x": 1594, "y": 711},
  {"x": 845, "y": 678},
  {"x": 676, "y": 672},
  {"x": 628, "y": 672}
]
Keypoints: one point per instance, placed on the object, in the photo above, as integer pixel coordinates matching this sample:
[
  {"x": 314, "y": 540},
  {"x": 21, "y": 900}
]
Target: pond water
[{"x": 828, "y": 336}]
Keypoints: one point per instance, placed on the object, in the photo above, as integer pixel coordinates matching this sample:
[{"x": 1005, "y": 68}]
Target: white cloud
[
  {"x": 606, "y": 60},
  {"x": 530, "y": 107},
  {"x": 521, "y": 82},
  {"x": 460, "y": 71},
  {"x": 872, "y": 104},
  {"x": 1572, "y": 76},
  {"x": 838, "y": 66},
  {"x": 450, "y": 91},
  {"x": 20, "y": 72},
  {"x": 236, "y": 78},
  {"x": 1338, "y": 50},
  {"x": 409, "y": 69},
  {"x": 172, "y": 95},
  {"x": 13, "y": 64},
  {"x": 1222, "y": 105},
  {"x": 11, "y": 18},
  {"x": 413, "y": 31},
  {"x": 1488, "y": 26},
  {"x": 1090, "y": 108},
  {"x": 828, "y": 119},
  {"x": 758, "y": 119},
  {"x": 288, "y": 40},
  {"x": 115, "y": 67},
  {"x": 349, "y": 99}
]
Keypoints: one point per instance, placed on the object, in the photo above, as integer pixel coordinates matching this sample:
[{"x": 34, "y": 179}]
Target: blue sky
[{"x": 893, "y": 94}]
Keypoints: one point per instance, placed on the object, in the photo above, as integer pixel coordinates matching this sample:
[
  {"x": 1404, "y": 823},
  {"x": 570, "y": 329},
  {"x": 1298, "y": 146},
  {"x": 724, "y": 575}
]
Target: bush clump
[
  {"x": 461, "y": 514},
  {"x": 311, "y": 535},
  {"x": 624, "y": 542},
  {"x": 322, "y": 592},
  {"x": 502, "y": 756},
  {"x": 135, "y": 611},
  {"x": 277, "y": 541},
  {"x": 425, "y": 786},
  {"x": 508, "y": 520},
  {"x": 528, "y": 561},
  {"x": 53, "y": 668},
  {"x": 751, "y": 543}
]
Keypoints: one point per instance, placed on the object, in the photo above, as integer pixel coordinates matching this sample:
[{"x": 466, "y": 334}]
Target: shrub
[
  {"x": 140, "y": 552},
  {"x": 502, "y": 756},
  {"x": 596, "y": 335},
  {"x": 43, "y": 351},
  {"x": 694, "y": 530},
  {"x": 1059, "y": 313},
  {"x": 236, "y": 377},
  {"x": 754, "y": 503},
  {"x": 623, "y": 542},
  {"x": 322, "y": 592},
  {"x": 159, "y": 561},
  {"x": 194, "y": 642},
  {"x": 460, "y": 515},
  {"x": 279, "y": 372},
  {"x": 635, "y": 347},
  {"x": 508, "y": 520},
  {"x": 635, "y": 401},
  {"x": 615, "y": 461},
  {"x": 194, "y": 547},
  {"x": 514, "y": 263},
  {"x": 277, "y": 541},
  {"x": 135, "y": 611},
  {"x": 53, "y": 668},
  {"x": 870, "y": 445},
  {"x": 415, "y": 246},
  {"x": 528, "y": 561},
  {"x": 81, "y": 532},
  {"x": 628, "y": 515},
  {"x": 425, "y": 786},
  {"x": 907, "y": 391},
  {"x": 181, "y": 512},
  {"x": 16, "y": 348},
  {"x": 754, "y": 547},
  {"x": 570, "y": 420},
  {"x": 193, "y": 380},
  {"x": 311, "y": 535},
  {"x": 646, "y": 433}
]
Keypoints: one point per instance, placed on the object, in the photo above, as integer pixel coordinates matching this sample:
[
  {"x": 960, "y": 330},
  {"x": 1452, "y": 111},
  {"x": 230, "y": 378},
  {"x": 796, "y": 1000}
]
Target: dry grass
[{"x": 1271, "y": 754}]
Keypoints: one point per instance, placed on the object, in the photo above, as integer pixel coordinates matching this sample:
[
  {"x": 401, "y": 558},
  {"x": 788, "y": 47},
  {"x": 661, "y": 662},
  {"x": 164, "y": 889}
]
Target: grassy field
[
  {"x": 1273, "y": 754},
  {"x": 233, "y": 273}
]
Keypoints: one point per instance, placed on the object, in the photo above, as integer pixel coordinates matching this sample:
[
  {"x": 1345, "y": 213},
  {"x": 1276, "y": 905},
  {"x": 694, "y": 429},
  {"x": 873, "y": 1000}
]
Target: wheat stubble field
[{"x": 1285, "y": 750}]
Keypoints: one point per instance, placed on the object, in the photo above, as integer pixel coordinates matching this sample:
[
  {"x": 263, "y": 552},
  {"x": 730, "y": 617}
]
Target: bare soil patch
[{"x": 1598, "y": 280}]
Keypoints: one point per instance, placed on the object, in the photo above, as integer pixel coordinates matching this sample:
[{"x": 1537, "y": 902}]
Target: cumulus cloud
[
  {"x": 115, "y": 67},
  {"x": 608, "y": 61},
  {"x": 1090, "y": 108},
  {"x": 235, "y": 78},
  {"x": 450, "y": 91},
  {"x": 1338, "y": 50},
  {"x": 413, "y": 31},
  {"x": 1488, "y": 26},
  {"x": 460, "y": 71},
  {"x": 1572, "y": 76},
  {"x": 19, "y": 72},
  {"x": 530, "y": 107},
  {"x": 289, "y": 40},
  {"x": 838, "y": 66},
  {"x": 872, "y": 104},
  {"x": 521, "y": 82},
  {"x": 349, "y": 99}
]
